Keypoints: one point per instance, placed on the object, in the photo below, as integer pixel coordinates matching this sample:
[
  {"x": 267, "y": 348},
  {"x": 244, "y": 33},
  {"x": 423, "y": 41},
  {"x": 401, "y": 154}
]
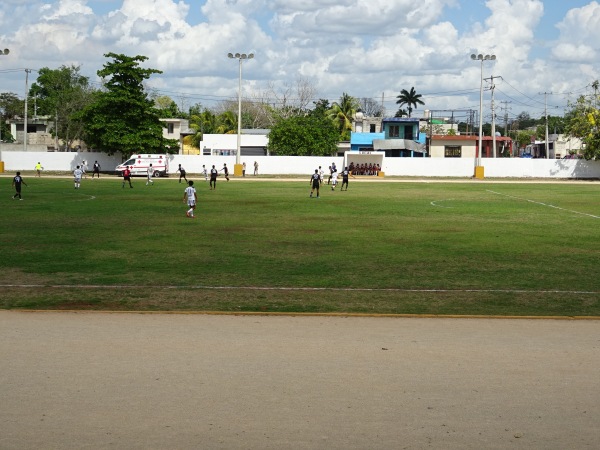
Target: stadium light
[
  {"x": 240, "y": 57},
  {"x": 4, "y": 52},
  {"x": 480, "y": 57}
]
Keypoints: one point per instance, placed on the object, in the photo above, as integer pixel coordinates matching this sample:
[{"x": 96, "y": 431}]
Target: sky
[{"x": 547, "y": 51}]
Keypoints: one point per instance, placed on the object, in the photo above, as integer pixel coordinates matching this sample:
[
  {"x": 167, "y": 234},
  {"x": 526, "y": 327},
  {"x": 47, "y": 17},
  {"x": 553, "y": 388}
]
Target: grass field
[{"x": 382, "y": 247}]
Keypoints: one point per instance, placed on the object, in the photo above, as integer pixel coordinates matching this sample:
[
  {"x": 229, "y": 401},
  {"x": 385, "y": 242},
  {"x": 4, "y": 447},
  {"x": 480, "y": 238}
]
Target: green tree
[
  {"x": 167, "y": 108},
  {"x": 122, "y": 118},
  {"x": 10, "y": 107},
  {"x": 304, "y": 136},
  {"x": 583, "y": 122},
  {"x": 401, "y": 113},
  {"x": 524, "y": 137},
  {"x": 342, "y": 112},
  {"x": 61, "y": 94},
  {"x": 410, "y": 99},
  {"x": 226, "y": 123}
]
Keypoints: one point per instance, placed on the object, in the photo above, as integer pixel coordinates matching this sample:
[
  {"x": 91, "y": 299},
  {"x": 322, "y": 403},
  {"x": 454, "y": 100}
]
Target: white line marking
[
  {"x": 435, "y": 203},
  {"x": 260, "y": 288},
  {"x": 91, "y": 197},
  {"x": 544, "y": 204}
]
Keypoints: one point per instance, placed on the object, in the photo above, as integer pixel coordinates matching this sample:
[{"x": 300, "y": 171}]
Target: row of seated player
[{"x": 364, "y": 169}]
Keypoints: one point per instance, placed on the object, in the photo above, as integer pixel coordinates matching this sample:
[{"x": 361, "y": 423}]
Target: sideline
[
  {"x": 304, "y": 314},
  {"x": 284, "y": 288}
]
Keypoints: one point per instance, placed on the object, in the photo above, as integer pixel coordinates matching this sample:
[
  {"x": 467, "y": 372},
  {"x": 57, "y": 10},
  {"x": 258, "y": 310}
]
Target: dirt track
[{"x": 141, "y": 381}]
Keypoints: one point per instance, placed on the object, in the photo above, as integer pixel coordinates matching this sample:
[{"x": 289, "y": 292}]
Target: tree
[
  {"x": 10, "y": 107},
  {"x": 410, "y": 99},
  {"x": 583, "y": 121},
  {"x": 122, "y": 118},
  {"x": 401, "y": 113},
  {"x": 167, "y": 108},
  {"x": 291, "y": 100},
  {"x": 61, "y": 94},
  {"x": 342, "y": 113},
  {"x": 524, "y": 137},
  {"x": 370, "y": 107},
  {"x": 304, "y": 136}
]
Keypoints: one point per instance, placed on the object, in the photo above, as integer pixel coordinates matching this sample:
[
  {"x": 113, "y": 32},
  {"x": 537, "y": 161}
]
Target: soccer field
[{"x": 381, "y": 247}]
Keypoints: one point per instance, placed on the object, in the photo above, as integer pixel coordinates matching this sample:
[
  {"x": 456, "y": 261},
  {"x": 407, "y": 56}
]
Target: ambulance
[{"x": 138, "y": 165}]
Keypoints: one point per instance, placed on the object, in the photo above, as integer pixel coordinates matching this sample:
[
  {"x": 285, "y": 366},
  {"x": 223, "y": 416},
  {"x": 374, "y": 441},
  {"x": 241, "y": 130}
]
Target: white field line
[
  {"x": 435, "y": 203},
  {"x": 544, "y": 204},
  {"x": 280, "y": 288}
]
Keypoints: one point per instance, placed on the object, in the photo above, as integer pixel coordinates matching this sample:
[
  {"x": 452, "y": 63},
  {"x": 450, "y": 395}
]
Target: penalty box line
[
  {"x": 544, "y": 204},
  {"x": 283, "y": 288}
]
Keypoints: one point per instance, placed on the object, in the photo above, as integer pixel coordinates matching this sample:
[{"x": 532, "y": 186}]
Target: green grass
[{"x": 400, "y": 248}]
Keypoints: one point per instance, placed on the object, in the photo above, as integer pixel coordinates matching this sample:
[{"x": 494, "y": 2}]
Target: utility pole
[
  {"x": 492, "y": 87},
  {"x": 546, "y": 114},
  {"x": 25, "y": 116},
  {"x": 505, "y": 109}
]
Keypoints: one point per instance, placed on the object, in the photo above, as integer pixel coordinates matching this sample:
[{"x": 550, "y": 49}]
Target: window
[
  {"x": 372, "y": 128},
  {"x": 452, "y": 151},
  {"x": 408, "y": 132},
  {"x": 170, "y": 128},
  {"x": 394, "y": 131}
]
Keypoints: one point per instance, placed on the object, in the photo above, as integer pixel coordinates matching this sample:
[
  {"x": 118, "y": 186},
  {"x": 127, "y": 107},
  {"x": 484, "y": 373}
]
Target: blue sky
[{"x": 366, "y": 49}]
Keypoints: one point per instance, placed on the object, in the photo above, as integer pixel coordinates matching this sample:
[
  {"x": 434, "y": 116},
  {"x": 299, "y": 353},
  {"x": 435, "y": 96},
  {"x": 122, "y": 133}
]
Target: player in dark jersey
[
  {"x": 213, "y": 178},
  {"x": 96, "y": 170},
  {"x": 17, "y": 182},
  {"x": 181, "y": 171},
  {"x": 315, "y": 182},
  {"x": 345, "y": 175},
  {"x": 225, "y": 171}
]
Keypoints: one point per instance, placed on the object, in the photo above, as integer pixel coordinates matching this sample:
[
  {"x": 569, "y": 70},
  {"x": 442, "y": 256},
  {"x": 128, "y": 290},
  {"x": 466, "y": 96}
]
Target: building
[{"x": 465, "y": 146}]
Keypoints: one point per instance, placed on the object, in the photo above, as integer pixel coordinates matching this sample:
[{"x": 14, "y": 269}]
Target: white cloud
[
  {"x": 362, "y": 48},
  {"x": 579, "y": 34}
]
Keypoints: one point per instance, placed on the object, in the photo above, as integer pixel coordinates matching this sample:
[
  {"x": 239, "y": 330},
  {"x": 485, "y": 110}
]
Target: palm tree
[
  {"x": 227, "y": 123},
  {"x": 342, "y": 113},
  {"x": 401, "y": 113},
  {"x": 409, "y": 98}
]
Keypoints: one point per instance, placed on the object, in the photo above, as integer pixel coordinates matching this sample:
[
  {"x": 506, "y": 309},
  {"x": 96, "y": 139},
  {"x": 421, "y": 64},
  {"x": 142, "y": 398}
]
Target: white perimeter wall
[
  {"x": 306, "y": 165},
  {"x": 56, "y": 161}
]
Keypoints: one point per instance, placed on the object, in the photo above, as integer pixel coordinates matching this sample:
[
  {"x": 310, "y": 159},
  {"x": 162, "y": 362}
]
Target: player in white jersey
[
  {"x": 334, "y": 175},
  {"x": 149, "y": 172},
  {"x": 190, "y": 196},
  {"x": 77, "y": 174}
]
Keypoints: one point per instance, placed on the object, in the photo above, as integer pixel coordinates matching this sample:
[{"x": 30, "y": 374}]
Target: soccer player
[
  {"x": 213, "y": 178},
  {"x": 334, "y": 176},
  {"x": 345, "y": 175},
  {"x": 127, "y": 177},
  {"x": 17, "y": 182},
  {"x": 204, "y": 172},
  {"x": 321, "y": 173},
  {"x": 225, "y": 171},
  {"x": 244, "y": 169},
  {"x": 181, "y": 171},
  {"x": 149, "y": 174},
  {"x": 39, "y": 168},
  {"x": 77, "y": 173},
  {"x": 190, "y": 195},
  {"x": 96, "y": 170},
  {"x": 315, "y": 182}
]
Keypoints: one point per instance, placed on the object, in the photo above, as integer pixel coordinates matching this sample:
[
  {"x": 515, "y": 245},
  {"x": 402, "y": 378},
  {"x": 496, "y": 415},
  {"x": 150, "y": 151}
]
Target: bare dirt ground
[{"x": 177, "y": 381}]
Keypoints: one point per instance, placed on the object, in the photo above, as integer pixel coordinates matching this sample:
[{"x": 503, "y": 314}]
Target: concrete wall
[
  {"x": 306, "y": 165},
  {"x": 56, "y": 161}
]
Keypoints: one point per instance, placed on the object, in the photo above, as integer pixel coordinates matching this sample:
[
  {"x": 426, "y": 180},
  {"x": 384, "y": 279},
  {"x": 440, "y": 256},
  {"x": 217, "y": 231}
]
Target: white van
[{"x": 138, "y": 164}]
